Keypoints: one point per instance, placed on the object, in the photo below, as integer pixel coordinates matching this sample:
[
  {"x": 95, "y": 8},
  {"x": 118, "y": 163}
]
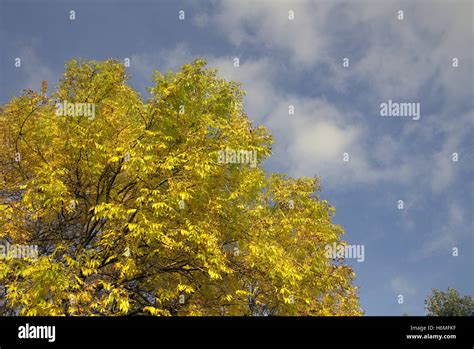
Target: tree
[
  {"x": 448, "y": 303},
  {"x": 158, "y": 206}
]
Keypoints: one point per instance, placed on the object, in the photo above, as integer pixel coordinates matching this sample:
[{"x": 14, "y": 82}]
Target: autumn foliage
[{"x": 133, "y": 213}]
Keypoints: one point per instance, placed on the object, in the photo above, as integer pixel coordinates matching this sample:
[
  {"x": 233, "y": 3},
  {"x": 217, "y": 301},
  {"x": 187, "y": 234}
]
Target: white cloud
[
  {"x": 401, "y": 285},
  {"x": 404, "y": 56},
  {"x": 266, "y": 25},
  {"x": 35, "y": 69},
  {"x": 449, "y": 235},
  {"x": 143, "y": 64},
  {"x": 256, "y": 77},
  {"x": 445, "y": 169},
  {"x": 400, "y": 59}
]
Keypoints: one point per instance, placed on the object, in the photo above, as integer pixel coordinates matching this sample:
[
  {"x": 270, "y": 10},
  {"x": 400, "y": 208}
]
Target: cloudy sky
[{"x": 425, "y": 58}]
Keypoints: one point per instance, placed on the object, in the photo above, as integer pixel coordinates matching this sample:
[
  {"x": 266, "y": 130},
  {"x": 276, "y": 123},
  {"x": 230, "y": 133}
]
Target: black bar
[{"x": 99, "y": 331}]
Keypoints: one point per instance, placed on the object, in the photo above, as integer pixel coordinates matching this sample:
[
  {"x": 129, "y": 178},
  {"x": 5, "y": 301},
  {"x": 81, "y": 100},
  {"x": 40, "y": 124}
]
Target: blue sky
[{"x": 337, "y": 109}]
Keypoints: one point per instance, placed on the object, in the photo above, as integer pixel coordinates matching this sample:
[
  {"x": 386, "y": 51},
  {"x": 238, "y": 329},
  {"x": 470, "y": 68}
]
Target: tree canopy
[
  {"x": 449, "y": 303},
  {"x": 133, "y": 212}
]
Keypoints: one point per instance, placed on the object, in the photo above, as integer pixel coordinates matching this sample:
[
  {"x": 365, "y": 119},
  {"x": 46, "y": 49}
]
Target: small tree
[{"x": 448, "y": 303}]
